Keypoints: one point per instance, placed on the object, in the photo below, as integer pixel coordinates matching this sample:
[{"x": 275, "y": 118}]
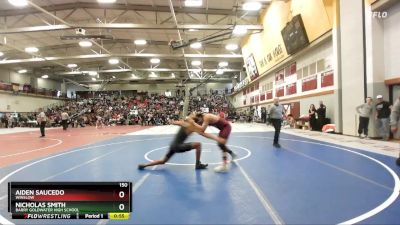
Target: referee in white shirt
[
  {"x": 42, "y": 119},
  {"x": 64, "y": 119},
  {"x": 276, "y": 113}
]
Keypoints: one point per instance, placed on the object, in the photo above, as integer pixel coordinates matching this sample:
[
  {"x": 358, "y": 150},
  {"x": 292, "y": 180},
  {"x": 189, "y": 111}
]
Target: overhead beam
[
  {"x": 109, "y": 42},
  {"x": 157, "y": 81},
  {"x": 134, "y": 7},
  {"x": 147, "y": 70},
  {"x": 128, "y": 26},
  {"x": 230, "y": 57}
]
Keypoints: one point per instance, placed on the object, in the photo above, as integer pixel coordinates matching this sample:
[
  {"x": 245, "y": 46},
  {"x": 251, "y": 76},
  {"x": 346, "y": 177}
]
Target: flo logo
[{"x": 379, "y": 15}]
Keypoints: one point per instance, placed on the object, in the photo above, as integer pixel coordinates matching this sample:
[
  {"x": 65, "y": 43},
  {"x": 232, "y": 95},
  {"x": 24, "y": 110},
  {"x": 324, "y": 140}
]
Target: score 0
[{"x": 121, "y": 195}]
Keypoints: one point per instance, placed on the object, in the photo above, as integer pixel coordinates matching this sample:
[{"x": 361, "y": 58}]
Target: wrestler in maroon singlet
[{"x": 202, "y": 121}]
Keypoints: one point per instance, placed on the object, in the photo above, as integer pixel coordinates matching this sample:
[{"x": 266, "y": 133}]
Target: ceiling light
[
  {"x": 94, "y": 79},
  {"x": 72, "y": 65},
  {"x": 31, "y": 49},
  {"x": 92, "y": 73},
  {"x": 231, "y": 47},
  {"x": 251, "y": 6},
  {"x": 113, "y": 77},
  {"x": 1, "y": 54},
  {"x": 196, "y": 63},
  {"x": 239, "y": 30},
  {"x": 106, "y": 1},
  {"x": 134, "y": 76},
  {"x": 192, "y": 30},
  {"x": 219, "y": 72},
  {"x": 196, "y": 71},
  {"x": 196, "y": 45},
  {"x": 45, "y": 76},
  {"x": 85, "y": 44},
  {"x": 223, "y": 64},
  {"x": 140, "y": 42},
  {"x": 153, "y": 75},
  {"x": 113, "y": 61},
  {"x": 18, "y": 2},
  {"x": 193, "y": 3},
  {"x": 22, "y": 71},
  {"x": 155, "y": 60}
]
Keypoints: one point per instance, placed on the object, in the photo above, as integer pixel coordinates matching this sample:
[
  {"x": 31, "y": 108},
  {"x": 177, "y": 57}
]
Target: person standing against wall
[
  {"x": 42, "y": 119},
  {"x": 365, "y": 111},
  {"x": 64, "y": 119},
  {"x": 312, "y": 113},
  {"x": 6, "y": 119},
  {"x": 321, "y": 112},
  {"x": 276, "y": 113},
  {"x": 263, "y": 115},
  {"x": 394, "y": 121},
  {"x": 382, "y": 117}
]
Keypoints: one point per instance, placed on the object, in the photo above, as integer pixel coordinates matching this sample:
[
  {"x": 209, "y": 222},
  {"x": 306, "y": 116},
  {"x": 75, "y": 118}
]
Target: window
[
  {"x": 305, "y": 71},
  {"x": 299, "y": 73},
  {"x": 320, "y": 65},
  {"x": 312, "y": 68}
]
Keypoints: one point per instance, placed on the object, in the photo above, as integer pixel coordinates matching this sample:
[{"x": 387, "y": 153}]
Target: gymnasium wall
[
  {"x": 19, "y": 103},
  {"x": 391, "y": 42},
  {"x": 323, "y": 51},
  {"x": 10, "y": 76},
  {"x": 48, "y": 84},
  {"x": 317, "y": 19}
]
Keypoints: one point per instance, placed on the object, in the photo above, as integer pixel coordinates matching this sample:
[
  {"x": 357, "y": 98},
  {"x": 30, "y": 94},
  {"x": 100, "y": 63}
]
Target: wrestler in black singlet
[{"x": 178, "y": 144}]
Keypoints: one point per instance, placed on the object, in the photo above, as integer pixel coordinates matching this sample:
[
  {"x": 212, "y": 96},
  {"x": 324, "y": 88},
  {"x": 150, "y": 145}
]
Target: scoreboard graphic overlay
[{"x": 70, "y": 200}]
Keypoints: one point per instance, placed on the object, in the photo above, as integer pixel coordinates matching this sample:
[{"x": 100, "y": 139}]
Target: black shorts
[
  {"x": 178, "y": 144},
  {"x": 178, "y": 148}
]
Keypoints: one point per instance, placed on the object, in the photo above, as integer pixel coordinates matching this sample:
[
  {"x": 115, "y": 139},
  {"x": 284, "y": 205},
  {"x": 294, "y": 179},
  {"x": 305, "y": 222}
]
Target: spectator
[
  {"x": 395, "y": 116},
  {"x": 312, "y": 112},
  {"x": 276, "y": 113},
  {"x": 290, "y": 121},
  {"x": 42, "y": 119},
  {"x": 263, "y": 115},
  {"x": 64, "y": 119},
  {"x": 6, "y": 119},
  {"x": 365, "y": 111},
  {"x": 394, "y": 121},
  {"x": 321, "y": 111},
  {"x": 11, "y": 121},
  {"x": 382, "y": 117}
]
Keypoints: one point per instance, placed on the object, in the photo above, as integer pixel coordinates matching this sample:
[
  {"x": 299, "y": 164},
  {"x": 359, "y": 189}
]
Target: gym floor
[{"x": 313, "y": 179}]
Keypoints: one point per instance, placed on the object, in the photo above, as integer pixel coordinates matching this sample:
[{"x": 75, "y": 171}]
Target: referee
[
  {"x": 276, "y": 114},
  {"x": 64, "y": 119},
  {"x": 41, "y": 118}
]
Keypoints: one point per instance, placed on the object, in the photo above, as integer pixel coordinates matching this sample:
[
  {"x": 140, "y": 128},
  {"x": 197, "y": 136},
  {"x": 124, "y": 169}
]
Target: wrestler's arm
[
  {"x": 203, "y": 127},
  {"x": 210, "y": 136}
]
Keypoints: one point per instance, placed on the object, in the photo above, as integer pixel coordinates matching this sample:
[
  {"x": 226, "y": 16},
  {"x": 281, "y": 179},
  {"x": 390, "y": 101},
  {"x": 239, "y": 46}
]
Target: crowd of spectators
[
  {"x": 140, "y": 109},
  {"x": 208, "y": 103}
]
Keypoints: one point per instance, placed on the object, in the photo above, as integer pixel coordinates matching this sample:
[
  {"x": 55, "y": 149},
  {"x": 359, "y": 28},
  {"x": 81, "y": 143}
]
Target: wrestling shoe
[
  {"x": 141, "y": 167},
  {"x": 221, "y": 168},
  {"x": 201, "y": 166},
  {"x": 277, "y": 145}
]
